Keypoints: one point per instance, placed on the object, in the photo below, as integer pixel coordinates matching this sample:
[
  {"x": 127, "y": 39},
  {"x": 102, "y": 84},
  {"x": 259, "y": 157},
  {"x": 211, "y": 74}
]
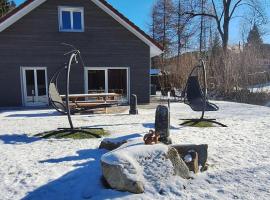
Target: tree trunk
[
  {"x": 201, "y": 27},
  {"x": 225, "y": 37},
  {"x": 226, "y": 23},
  {"x": 179, "y": 34}
]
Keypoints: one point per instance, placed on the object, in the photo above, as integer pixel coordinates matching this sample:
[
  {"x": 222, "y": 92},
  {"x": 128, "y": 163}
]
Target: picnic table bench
[{"x": 98, "y": 100}]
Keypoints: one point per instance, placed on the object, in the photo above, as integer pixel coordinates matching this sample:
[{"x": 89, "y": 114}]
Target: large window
[
  {"x": 96, "y": 81},
  {"x": 117, "y": 81},
  {"x": 108, "y": 80},
  {"x": 71, "y": 19}
]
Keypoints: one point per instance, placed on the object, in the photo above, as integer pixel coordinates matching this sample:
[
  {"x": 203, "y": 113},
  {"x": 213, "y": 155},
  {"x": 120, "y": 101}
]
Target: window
[{"x": 71, "y": 19}]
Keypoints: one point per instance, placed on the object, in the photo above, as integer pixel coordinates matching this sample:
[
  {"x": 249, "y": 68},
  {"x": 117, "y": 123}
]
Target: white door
[{"x": 34, "y": 81}]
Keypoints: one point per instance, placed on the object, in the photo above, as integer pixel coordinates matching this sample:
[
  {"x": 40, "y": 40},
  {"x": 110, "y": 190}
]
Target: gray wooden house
[{"x": 116, "y": 52}]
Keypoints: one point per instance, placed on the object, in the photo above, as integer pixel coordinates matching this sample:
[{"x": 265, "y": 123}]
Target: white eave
[{"x": 154, "y": 49}]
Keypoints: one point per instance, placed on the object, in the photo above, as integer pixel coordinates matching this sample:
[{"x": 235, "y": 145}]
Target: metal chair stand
[
  {"x": 204, "y": 100},
  {"x": 64, "y": 107}
]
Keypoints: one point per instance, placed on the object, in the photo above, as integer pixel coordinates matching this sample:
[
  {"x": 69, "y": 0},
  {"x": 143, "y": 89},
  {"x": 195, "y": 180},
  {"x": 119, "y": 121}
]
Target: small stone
[
  {"x": 114, "y": 143},
  {"x": 180, "y": 168},
  {"x": 110, "y": 145}
]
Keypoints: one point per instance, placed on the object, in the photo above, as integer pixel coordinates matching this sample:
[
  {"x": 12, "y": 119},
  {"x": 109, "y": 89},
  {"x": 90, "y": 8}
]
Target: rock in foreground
[
  {"x": 114, "y": 143},
  {"x": 134, "y": 166},
  {"x": 202, "y": 151}
]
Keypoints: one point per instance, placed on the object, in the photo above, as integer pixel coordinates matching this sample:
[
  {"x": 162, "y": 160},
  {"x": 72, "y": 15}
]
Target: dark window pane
[
  {"x": 96, "y": 81},
  {"x": 30, "y": 82},
  {"x": 66, "y": 20},
  {"x": 41, "y": 82},
  {"x": 117, "y": 80},
  {"x": 77, "y": 20}
]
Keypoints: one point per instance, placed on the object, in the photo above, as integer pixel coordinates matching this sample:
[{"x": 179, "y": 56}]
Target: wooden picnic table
[
  {"x": 102, "y": 100},
  {"x": 103, "y": 96}
]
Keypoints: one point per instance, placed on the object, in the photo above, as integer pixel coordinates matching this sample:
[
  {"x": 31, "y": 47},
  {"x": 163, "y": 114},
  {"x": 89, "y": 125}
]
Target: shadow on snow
[
  {"x": 82, "y": 183},
  {"x": 33, "y": 115},
  {"x": 152, "y": 126},
  {"x": 18, "y": 139}
]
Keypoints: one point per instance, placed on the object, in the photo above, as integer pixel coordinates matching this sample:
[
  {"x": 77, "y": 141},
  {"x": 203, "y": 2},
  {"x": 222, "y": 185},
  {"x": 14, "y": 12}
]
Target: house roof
[{"x": 29, "y": 5}]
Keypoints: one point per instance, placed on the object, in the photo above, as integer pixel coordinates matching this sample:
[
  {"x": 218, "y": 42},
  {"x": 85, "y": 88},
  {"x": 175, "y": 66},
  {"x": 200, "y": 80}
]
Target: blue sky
[{"x": 138, "y": 11}]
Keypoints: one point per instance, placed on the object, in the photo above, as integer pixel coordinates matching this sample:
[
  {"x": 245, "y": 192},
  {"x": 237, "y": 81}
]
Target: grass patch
[
  {"x": 201, "y": 124},
  {"x": 77, "y": 134}
]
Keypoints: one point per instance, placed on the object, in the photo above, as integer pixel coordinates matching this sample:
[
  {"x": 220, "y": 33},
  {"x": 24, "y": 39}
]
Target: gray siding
[{"x": 35, "y": 40}]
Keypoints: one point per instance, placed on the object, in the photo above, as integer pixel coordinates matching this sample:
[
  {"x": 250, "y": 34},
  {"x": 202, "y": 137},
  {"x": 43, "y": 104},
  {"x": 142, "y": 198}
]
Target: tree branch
[
  {"x": 234, "y": 7},
  {"x": 199, "y": 14}
]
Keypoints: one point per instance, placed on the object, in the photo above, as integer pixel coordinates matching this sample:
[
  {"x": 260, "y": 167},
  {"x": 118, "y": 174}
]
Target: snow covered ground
[
  {"x": 260, "y": 88},
  {"x": 31, "y": 168}
]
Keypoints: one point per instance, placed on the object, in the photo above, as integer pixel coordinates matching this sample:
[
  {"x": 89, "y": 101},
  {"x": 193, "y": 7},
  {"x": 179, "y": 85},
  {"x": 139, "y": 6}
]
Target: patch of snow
[
  {"x": 33, "y": 168},
  {"x": 260, "y": 88},
  {"x": 188, "y": 158}
]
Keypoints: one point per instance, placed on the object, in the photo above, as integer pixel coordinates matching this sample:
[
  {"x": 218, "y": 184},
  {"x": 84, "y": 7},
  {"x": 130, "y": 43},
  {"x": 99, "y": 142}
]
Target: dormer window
[{"x": 71, "y": 19}]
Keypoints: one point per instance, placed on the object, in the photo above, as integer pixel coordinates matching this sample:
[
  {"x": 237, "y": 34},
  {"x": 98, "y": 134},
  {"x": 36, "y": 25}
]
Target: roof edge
[{"x": 17, "y": 13}]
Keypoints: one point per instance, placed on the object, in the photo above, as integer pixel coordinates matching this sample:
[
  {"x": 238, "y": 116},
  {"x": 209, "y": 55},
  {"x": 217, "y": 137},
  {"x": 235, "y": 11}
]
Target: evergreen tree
[
  {"x": 6, "y": 6},
  {"x": 254, "y": 38}
]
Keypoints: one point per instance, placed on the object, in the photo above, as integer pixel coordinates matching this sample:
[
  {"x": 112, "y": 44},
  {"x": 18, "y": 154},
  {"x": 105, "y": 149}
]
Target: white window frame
[
  {"x": 86, "y": 69},
  {"x": 70, "y": 9}
]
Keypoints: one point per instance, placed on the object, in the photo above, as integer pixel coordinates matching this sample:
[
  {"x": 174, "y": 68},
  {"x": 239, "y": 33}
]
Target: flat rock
[
  {"x": 133, "y": 166},
  {"x": 114, "y": 143}
]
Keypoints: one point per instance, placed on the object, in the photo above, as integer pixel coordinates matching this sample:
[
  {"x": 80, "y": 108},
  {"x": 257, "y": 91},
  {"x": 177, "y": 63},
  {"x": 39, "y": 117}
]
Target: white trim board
[{"x": 154, "y": 50}]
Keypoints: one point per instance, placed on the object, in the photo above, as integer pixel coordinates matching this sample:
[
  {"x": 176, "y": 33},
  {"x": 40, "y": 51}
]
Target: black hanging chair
[{"x": 196, "y": 97}]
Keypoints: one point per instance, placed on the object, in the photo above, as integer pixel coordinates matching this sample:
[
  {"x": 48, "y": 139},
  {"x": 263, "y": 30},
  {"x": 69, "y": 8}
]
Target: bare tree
[
  {"x": 153, "y": 25},
  {"x": 223, "y": 12},
  {"x": 183, "y": 29},
  {"x": 162, "y": 24}
]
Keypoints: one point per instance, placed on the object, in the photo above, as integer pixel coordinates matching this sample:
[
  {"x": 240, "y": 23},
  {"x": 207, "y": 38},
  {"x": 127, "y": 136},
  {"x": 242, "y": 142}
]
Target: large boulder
[{"x": 134, "y": 166}]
